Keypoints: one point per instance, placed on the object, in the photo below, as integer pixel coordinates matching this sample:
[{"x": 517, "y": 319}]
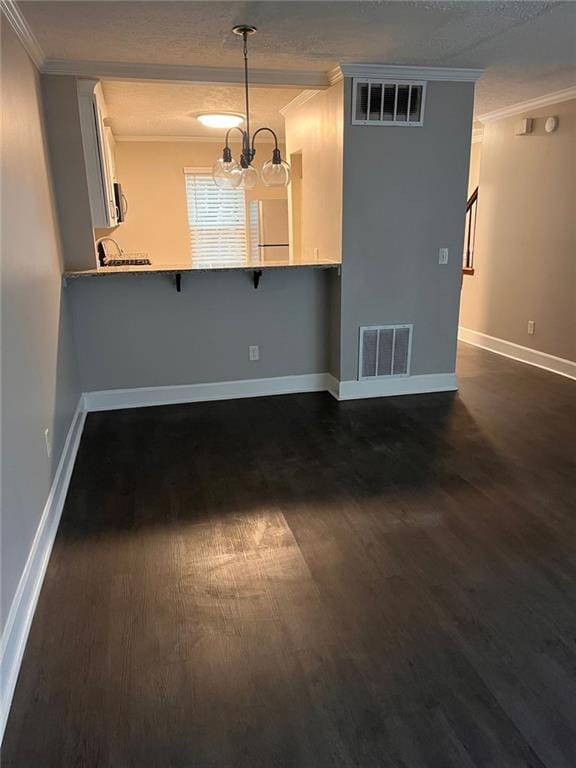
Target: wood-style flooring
[{"x": 296, "y": 582}]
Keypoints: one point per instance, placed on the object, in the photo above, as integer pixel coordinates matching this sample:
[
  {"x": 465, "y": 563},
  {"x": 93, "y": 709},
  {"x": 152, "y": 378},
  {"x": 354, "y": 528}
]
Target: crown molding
[
  {"x": 19, "y": 24},
  {"x": 477, "y": 135},
  {"x": 556, "y": 97},
  {"x": 201, "y": 139},
  {"x": 115, "y": 70},
  {"x": 335, "y": 75},
  {"x": 309, "y": 80},
  {"x": 86, "y": 86},
  {"x": 298, "y": 101},
  {"x": 401, "y": 72}
]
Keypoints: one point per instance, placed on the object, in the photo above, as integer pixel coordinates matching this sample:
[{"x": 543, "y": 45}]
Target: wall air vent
[
  {"x": 385, "y": 350},
  {"x": 388, "y": 102}
]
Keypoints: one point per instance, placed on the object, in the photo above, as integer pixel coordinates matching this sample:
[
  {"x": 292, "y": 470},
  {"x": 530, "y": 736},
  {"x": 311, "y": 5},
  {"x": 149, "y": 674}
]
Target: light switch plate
[{"x": 443, "y": 256}]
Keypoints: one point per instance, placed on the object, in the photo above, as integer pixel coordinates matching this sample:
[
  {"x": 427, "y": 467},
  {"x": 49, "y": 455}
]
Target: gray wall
[
  {"x": 138, "y": 332},
  {"x": 525, "y": 254},
  {"x": 334, "y": 322},
  {"x": 40, "y": 386},
  {"x": 404, "y": 198},
  {"x": 60, "y": 100}
]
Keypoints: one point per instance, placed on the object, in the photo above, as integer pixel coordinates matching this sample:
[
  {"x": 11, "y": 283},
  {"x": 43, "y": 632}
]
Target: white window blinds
[{"x": 216, "y": 220}]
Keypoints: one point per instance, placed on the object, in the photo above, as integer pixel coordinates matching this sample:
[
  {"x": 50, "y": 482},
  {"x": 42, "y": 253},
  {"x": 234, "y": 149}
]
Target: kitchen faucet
[
  {"x": 121, "y": 260},
  {"x": 101, "y": 251}
]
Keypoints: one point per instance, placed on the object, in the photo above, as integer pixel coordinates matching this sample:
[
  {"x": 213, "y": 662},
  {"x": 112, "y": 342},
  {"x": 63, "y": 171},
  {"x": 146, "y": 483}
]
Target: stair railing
[{"x": 471, "y": 210}]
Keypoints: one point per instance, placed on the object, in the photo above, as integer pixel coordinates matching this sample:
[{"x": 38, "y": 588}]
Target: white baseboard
[
  {"x": 518, "y": 352},
  {"x": 19, "y": 620},
  {"x": 113, "y": 399},
  {"x": 332, "y": 386},
  {"x": 406, "y": 385}
]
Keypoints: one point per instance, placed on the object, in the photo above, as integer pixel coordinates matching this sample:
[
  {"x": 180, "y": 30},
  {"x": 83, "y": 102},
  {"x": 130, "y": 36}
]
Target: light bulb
[
  {"x": 249, "y": 177},
  {"x": 276, "y": 174},
  {"x": 226, "y": 173}
]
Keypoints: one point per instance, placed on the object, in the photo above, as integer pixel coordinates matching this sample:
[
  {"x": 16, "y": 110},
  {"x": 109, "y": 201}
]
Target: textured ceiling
[
  {"x": 163, "y": 109},
  {"x": 527, "y": 48}
]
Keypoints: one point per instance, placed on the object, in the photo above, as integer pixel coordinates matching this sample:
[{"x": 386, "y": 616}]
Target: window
[{"x": 216, "y": 220}]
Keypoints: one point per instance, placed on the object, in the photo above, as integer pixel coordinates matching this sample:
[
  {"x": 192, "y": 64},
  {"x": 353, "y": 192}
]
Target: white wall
[
  {"x": 315, "y": 129},
  {"x": 474, "y": 171},
  {"x": 40, "y": 385},
  {"x": 525, "y": 251}
]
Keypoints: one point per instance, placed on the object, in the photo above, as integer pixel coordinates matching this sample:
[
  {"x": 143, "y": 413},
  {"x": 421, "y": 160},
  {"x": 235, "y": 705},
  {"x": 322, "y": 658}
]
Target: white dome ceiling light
[{"x": 220, "y": 119}]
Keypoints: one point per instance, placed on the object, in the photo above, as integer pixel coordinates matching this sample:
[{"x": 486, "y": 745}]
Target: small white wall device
[
  {"x": 524, "y": 126},
  {"x": 551, "y": 124}
]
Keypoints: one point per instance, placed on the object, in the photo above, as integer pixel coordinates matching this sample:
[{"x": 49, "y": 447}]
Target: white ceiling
[
  {"x": 527, "y": 48},
  {"x": 163, "y": 109}
]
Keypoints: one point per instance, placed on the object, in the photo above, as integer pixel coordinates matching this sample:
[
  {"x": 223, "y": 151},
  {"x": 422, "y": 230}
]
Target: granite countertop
[{"x": 174, "y": 269}]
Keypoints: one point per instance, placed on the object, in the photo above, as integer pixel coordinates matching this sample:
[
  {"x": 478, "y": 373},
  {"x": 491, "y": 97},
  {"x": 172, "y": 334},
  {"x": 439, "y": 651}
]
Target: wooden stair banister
[{"x": 471, "y": 210}]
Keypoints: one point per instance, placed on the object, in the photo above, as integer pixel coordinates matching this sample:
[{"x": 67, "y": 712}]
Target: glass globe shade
[
  {"x": 276, "y": 174},
  {"x": 226, "y": 175},
  {"x": 249, "y": 177}
]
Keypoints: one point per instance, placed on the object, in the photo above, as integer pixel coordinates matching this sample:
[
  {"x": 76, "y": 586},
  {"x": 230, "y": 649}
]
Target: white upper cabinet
[{"x": 98, "y": 143}]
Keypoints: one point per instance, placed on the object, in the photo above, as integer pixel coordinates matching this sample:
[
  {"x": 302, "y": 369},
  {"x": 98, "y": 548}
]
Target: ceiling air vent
[
  {"x": 385, "y": 351},
  {"x": 388, "y": 102}
]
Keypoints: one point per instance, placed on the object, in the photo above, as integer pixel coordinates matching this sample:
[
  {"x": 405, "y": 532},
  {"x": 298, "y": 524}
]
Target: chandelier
[{"x": 228, "y": 172}]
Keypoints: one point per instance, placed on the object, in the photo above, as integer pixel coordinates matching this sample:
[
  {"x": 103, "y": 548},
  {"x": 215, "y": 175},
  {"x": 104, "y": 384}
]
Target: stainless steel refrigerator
[{"x": 269, "y": 230}]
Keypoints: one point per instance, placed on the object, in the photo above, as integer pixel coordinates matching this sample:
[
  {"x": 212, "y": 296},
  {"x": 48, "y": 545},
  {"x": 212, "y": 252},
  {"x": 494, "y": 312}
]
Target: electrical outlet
[
  {"x": 443, "y": 256},
  {"x": 48, "y": 441},
  {"x": 254, "y": 352},
  {"x": 316, "y": 252},
  {"x": 531, "y": 327}
]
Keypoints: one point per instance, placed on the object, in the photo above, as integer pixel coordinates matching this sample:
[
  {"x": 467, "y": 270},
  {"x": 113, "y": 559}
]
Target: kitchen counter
[{"x": 174, "y": 269}]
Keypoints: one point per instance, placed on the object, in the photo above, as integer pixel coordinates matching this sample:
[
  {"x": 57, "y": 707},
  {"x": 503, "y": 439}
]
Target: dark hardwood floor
[{"x": 292, "y": 581}]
